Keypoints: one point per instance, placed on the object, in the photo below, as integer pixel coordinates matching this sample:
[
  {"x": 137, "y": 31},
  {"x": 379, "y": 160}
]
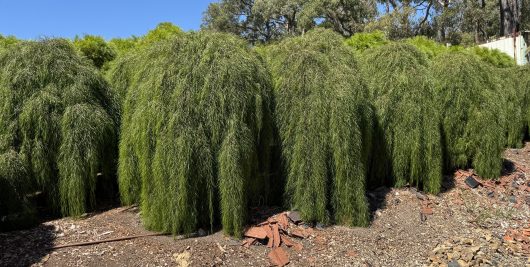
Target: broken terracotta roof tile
[
  {"x": 256, "y": 232},
  {"x": 279, "y": 257},
  {"x": 270, "y": 235},
  {"x": 283, "y": 221},
  {"x": 298, "y": 246},
  {"x": 427, "y": 211},
  {"x": 276, "y": 235},
  {"x": 287, "y": 241},
  {"x": 299, "y": 233},
  {"x": 248, "y": 242}
]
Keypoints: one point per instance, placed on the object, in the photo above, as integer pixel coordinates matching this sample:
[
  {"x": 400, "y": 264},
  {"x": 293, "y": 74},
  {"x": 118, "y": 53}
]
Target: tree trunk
[{"x": 510, "y": 17}]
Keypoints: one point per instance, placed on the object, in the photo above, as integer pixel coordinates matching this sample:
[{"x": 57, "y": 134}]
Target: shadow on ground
[{"x": 26, "y": 247}]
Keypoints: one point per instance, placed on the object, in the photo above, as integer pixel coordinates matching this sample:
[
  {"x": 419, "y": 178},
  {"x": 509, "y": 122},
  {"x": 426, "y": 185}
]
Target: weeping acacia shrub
[
  {"x": 58, "y": 116},
  {"x": 407, "y": 149},
  {"x": 473, "y": 113},
  {"x": 196, "y": 131},
  {"x": 515, "y": 87},
  {"x": 325, "y": 126}
]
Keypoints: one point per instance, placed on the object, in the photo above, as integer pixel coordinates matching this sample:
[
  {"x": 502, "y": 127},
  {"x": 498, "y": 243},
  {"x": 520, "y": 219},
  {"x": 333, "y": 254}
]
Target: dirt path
[{"x": 485, "y": 226}]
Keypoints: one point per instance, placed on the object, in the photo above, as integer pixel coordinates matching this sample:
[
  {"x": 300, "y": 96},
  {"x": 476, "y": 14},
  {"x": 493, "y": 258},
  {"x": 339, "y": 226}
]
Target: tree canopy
[
  {"x": 96, "y": 49},
  {"x": 264, "y": 20}
]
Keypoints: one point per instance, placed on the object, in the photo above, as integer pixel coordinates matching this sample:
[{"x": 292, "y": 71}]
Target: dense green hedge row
[{"x": 209, "y": 126}]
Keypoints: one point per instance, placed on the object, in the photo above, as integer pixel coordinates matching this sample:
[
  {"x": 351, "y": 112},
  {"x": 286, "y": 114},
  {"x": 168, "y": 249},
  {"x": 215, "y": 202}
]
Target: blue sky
[{"x": 31, "y": 19}]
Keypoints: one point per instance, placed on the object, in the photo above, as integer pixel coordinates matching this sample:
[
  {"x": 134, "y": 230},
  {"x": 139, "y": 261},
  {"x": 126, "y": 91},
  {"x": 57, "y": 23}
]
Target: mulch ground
[{"x": 474, "y": 222}]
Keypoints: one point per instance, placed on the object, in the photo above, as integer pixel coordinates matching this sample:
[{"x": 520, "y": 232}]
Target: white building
[{"x": 515, "y": 47}]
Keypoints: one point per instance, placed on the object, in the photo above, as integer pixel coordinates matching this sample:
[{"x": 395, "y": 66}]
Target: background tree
[
  {"x": 124, "y": 45},
  {"x": 267, "y": 20},
  {"x": 510, "y": 16},
  {"x": 6, "y": 41},
  {"x": 96, "y": 49},
  {"x": 163, "y": 31}
]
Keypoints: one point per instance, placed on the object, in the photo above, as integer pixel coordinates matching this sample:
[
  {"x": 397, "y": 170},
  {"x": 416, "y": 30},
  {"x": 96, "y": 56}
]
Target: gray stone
[
  {"x": 453, "y": 263},
  {"x": 471, "y": 182}
]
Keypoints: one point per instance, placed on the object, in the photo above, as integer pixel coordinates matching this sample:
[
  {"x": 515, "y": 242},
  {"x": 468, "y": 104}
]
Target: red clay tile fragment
[
  {"x": 298, "y": 246},
  {"x": 271, "y": 220},
  {"x": 526, "y": 232},
  {"x": 427, "y": 211},
  {"x": 283, "y": 221},
  {"x": 351, "y": 253},
  {"x": 309, "y": 231},
  {"x": 248, "y": 242},
  {"x": 287, "y": 241},
  {"x": 256, "y": 232},
  {"x": 279, "y": 257},
  {"x": 276, "y": 235},
  {"x": 270, "y": 235},
  {"x": 299, "y": 233}
]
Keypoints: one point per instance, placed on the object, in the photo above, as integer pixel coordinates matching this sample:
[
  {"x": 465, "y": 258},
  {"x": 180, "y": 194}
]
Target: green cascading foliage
[
  {"x": 407, "y": 145},
  {"x": 196, "y": 132},
  {"x": 473, "y": 112},
  {"x": 15, "y": 183},
  {"x": 325, "y": 126},
  {"x": 523, "y": 80},
  {"x": 515, "y": 86},
  {"x": 57, "y": 113}
]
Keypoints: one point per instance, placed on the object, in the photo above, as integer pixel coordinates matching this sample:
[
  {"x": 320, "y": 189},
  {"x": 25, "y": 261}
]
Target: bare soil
[{"x": 462, "y": 226}]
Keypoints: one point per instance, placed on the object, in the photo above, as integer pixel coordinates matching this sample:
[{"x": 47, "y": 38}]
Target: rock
[
  {"x": 471, "y": 182},
  {"x": 294, "y": 216},
  {"x": 182, "y": 259},
  {"x": 467, "y": 255},
  {"x": 512, "y": 199},
  {"x": 439, "y": 249},
  {"x": 421, "y": 196},
  {"x": 474, "y": 249},
  {"x": 462, "y": 263},
  {"x": 466, "y": 241},
  {"x": 201, "y": 232},
  {"x": 491, "y": 194},
  {"x": 453, "y": 256},
  {"x": 453, "y": 263},
  {"x": 487, "y": 236}
]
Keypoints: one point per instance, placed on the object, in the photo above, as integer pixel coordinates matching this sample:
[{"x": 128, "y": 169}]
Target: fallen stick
[
  {"x": 107, "y": 240},
  {"x": 128, "y": 208}
]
